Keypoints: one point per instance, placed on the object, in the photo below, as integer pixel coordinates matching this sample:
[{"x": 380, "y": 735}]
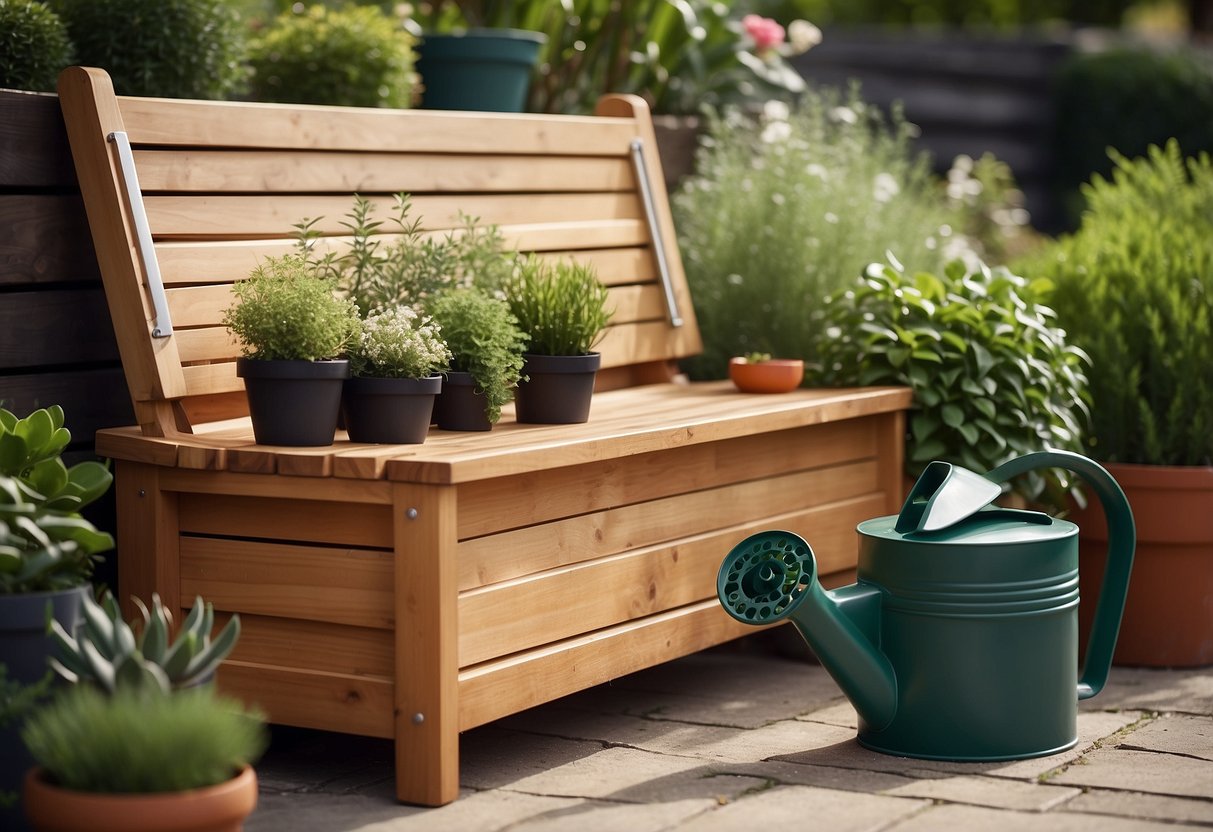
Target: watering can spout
[{"x": 772, "y": 576}]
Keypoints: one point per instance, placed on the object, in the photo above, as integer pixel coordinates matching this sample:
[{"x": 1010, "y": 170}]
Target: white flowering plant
[{"x": 398, "y": 343}]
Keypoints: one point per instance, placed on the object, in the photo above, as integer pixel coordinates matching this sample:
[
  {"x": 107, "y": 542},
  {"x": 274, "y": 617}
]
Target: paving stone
[
  {"x": 323, "y": 812},
  {"x": 594, "y": 816},
  {"x": 737, "y": 746},
  {"x": 1138, "y": 805},
  {"x": 805, "y": 807},
  {"x": 826, "y": 777},
  {"x": 473, "y": 812},
  {"x": 1174, "y": 734},
  {"x": 954, "y": 816},
  {"x": 491, "y": 758},
  {"x": 1136, "y": 688},
  {"x": 994, "y": 792},
  {"x": 1141, "y": 771},
  {"x": 840, "y": 713}
]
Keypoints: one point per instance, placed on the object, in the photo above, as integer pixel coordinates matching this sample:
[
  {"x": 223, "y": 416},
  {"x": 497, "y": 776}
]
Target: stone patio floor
[{"x": 743, "y": 736}]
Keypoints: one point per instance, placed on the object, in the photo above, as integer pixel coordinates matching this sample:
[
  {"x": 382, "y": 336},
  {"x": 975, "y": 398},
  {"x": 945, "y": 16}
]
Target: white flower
[
  {"x": 814, "y": 169},
  {"x": 803, "y": 36},
  {"x": 831, "y": 218},
  {"x": 844, "y": 114},
  {"x": 885, "y": 187},
  {"x": 776, "y": 131},
  {"x": 734, "y": 279},
  {"x": 775, "y": 111},
  {"x": 778, "y": 199}
]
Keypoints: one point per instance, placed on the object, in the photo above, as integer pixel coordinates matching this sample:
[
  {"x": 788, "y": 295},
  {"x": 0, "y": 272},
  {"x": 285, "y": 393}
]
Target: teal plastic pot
[{"x": 480, "y": 69}]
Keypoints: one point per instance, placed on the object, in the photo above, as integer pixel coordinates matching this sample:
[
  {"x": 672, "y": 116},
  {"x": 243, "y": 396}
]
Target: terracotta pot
[
  {"x": 220, "y": 808},
  {"x": 778, "y": 375},
  {"x": 1168, "y": 620}
]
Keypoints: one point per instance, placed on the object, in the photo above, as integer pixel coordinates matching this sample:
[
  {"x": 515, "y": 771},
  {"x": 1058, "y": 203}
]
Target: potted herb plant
[
  {"x": 486, "y": 358},
  {"x": 142, "y": 741},
  {"x": 561, "y": 308},
  {"x": 1134, "y": 288},
  {"x": 394, "y": 366},
  {"x": 293, "y": 329},
  {"x": 992, "y": 374},
  {"x": 759, "y": 373}
]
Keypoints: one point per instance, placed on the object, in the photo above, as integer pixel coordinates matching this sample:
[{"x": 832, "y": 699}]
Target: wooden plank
[
  {"x": 304, "y": 521},
  {"x": 92, "y": 399},
  {"x": 45, "y": 241},
  {"x": 427, "y": 660},
  {"x": 278, "y": 171},
  {"x": 148, "y": 531},
  {"x": 511, "y": 554},
  {"x": 315, "y": 583},
  {"x": 254, "y": 485},
  {"x": 211, "y": 379},
  {"x": 517, "y": 615},
  {"x": 310, "y": 699},
  {"x": 211, "y": 343},
  {"x": 38, "y": 329},
  {"x": 263, "y": 215},
  {"x": 44, "y": 163},
  {"x": 512, "y": 684},
  {"x": 254, "y": 125},
  {"x": 331, "y": 648}
]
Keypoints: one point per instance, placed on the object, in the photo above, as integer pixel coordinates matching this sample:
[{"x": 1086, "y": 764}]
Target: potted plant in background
[
  {"x": 394, "y": 364},
  {"x": 561, "y": 309},
  {"x": 293, "y": 329},
  {"x": 759, "y": 373},
  {"x": 992, "y": 374},
  {"x": 1134, "y": 288},
  {"x": 141, "y": 741},
  {"x": 486, "y": 358}
]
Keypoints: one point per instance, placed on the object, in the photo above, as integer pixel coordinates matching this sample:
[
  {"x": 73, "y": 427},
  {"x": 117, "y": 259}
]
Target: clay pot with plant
[
  {"x": 293, "y": 330},
  {"x": 758, "y": 372},
  {"x": 486, "y": 358},
  {"x": 395, "y": 362},
  {"x": 561, "y": 309}
]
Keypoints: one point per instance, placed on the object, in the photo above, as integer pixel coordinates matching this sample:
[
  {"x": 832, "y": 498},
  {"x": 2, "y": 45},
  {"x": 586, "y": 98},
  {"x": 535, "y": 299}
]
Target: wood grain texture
[
  {"x": 45, "y": 163},
  {"x": 148, "y": 530},
  {"x": 92, "y": 399},
  {"x": 303, "y": 521},
  {"x": 45, "y": 241},
  {"x": 331, "y": 648},
  {"x": 38, "y": 329}
]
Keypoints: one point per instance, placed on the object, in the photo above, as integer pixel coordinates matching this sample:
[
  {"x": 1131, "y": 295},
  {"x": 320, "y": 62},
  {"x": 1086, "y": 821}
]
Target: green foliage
[
  {"x": 992, "y": 374},
  {"x": 1134, "y": 288},
  {"x": 484, "y": 340},
  {"x": 44, "y": 542},
  {"x": 1127, "y": 100},
  {"x": 413, "y": 266},
  {"x": 166, "y": 48},
  {"x": 398, "y": 344},
  {"x": 787, "y": 208},
  {"x": 34, "y": 45},
  {"x": 18, "y": 700},
  {"x": 357, "y": 56},
  {"x": 285, "y": 311},
  {"x": 142, "y": 741},
  {"x": 1006, "y": 13},
  {"x": 560, "y": 306},
  {"x": 108, "y": 653}
]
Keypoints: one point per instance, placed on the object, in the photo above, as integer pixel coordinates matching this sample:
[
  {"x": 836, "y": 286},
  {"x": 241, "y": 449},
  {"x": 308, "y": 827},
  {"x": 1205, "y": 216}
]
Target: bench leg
[
  {"x": 148, "y": 538},
  {"x": 427, "y": 645}
]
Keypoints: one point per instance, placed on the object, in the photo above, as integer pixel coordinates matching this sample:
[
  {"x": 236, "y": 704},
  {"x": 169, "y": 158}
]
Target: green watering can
[{"x": 960, "y": 639}]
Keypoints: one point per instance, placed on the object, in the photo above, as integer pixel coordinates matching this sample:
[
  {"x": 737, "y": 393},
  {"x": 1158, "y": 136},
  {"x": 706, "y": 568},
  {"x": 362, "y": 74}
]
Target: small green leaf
[{"x": 952, "y": 415}]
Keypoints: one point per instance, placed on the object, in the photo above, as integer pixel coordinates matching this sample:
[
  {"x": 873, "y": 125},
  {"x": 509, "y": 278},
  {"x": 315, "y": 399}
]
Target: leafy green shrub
[
  {"x": 484, "y": 340},
  {"x": 166, "y": 48},
  {"x": 398, "y": 343},
  {"x": 789, "y": 207},
  {"x": 560, "y": 306},
  {"x": 1134, "y": 288},
  {"x": 1127, "y": 100},
  {"x": 357, "y": 56},
  {"x": 992, "y": 374},
  {"x": 33, "y": 45},
  {"x": 285, "y": 311},
  {"x": 139, "y": 741}
]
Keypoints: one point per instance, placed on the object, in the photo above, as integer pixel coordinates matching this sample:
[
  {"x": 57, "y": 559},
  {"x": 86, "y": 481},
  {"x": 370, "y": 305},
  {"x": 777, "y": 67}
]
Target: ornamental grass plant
[
  {"x": 560, "y": 306},
  {"x": 788, "y": 207}
]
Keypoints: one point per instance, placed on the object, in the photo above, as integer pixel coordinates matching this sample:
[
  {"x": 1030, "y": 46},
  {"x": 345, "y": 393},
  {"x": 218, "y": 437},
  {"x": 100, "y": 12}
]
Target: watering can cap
[{"x": 944, "y": 495}]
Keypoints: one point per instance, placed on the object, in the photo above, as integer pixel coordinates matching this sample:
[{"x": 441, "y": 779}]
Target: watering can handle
[{"x": 1122, "y": 540}]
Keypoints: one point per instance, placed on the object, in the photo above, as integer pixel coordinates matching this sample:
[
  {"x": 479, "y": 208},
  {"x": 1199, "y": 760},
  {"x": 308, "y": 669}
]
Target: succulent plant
[{"x": 108, "y": 652}]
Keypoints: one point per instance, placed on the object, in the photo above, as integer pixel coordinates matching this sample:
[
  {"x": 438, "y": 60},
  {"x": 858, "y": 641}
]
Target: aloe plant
[{"x": 108, "y": 653}]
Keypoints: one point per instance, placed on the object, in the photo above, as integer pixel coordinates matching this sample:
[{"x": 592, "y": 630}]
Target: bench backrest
[{"x": 222, "y": 184}]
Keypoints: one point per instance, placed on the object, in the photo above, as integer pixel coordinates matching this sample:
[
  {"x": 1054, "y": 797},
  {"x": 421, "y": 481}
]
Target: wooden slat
[
  {"x": 212, "y": 343},
  {"x": 310, "y": 699},
  {"x": 209, "y": 379},
  {"x": 284, "y": 172},
  {"x": 499, "y": 557},
  {"x": 33, "y": 326},
  {"x": 260, "y": 216},
  {"x": 45, "y": 240},
  {"x": 44, "y": 163},
  {"x": 516, "y": 615},
  {"x": 147, "y": 526},
  {"x": 92, "y": 399},
  {"x": 305, "y": 521},
  {"x": 339, "y": 492},
  {"x": 237, "y": 124},
  {"x": 512, "y": 684},
  {"x": 331, "y": 648},
  {"x": 314, "y": 583}
]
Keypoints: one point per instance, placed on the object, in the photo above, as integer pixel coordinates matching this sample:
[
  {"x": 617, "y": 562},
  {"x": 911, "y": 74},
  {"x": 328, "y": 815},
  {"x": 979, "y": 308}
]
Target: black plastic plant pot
[
  {"x": 461, "y": 406},
  {"x": 559, "y": 388},
  {"x": 293, "y": 402},
  {"x": 393, "y": 411}
]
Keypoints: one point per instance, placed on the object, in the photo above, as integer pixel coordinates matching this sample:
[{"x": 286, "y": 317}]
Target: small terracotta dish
[{"x": 777, "y": 375}]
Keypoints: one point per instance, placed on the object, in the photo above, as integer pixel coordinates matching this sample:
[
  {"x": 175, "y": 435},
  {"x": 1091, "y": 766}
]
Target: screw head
[
  {"x": 411, "y": 514},
  {"x": 418, "y": 718}
]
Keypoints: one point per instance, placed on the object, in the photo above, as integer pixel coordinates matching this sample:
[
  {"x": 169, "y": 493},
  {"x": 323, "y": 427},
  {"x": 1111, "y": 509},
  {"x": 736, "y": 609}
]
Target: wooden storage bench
[{"x": 412, "y": 592}]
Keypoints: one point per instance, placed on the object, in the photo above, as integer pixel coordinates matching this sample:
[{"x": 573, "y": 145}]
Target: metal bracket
[
  {"x": 650, "y": 214},
  {"x": 143, "y": 234}
]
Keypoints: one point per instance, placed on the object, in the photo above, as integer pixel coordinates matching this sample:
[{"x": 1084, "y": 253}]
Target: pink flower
[{"x": 765, "y": 32}]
